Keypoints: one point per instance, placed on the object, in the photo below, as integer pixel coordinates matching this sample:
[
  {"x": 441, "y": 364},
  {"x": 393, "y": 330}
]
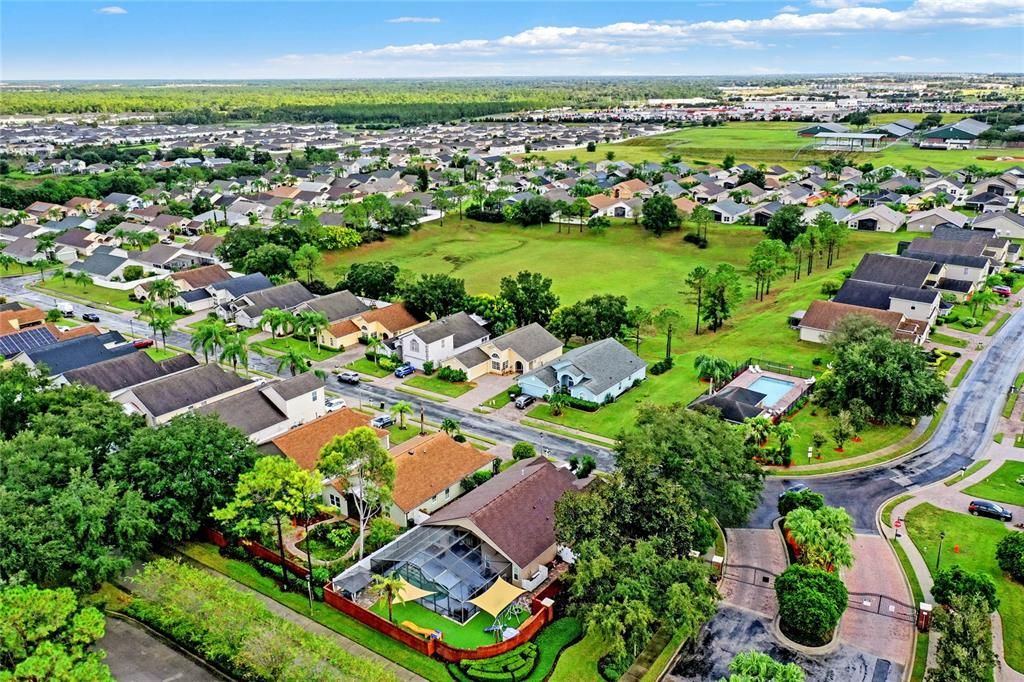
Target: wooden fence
[{"x": 257, "y": 550}]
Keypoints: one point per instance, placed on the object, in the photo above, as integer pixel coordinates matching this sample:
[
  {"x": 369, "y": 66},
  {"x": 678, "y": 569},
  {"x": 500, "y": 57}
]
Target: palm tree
[
  {"x": 823, "y": 536},
  {"x": 82, "y": 279},
  {"x": 715, "y": 369},
  {"x": 278, "y": 320},
  {"x": 235, "y": 351},
  {"x": 401, "y": 408},
  {"x": 784, "y": 431},
  {"x": 310, "y": 323},
  {"x": 985, "y": 298},
  {"x": 208, "y": 336},
  {"x": 163, "y": 290},
  {"x": 757, "y": 429},
  {"x": 6, "y": 261},
  {"x": 389, "y": 587},
  {"x": 162, "y": 323},
  {"x": 296, "y": 362},
  {"x": 450, "y": 426},
  {"x": 373, "y": 345}
]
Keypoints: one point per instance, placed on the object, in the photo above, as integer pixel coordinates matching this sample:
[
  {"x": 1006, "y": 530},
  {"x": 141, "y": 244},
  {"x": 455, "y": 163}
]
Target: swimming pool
[{"x": 772, "y": 388}]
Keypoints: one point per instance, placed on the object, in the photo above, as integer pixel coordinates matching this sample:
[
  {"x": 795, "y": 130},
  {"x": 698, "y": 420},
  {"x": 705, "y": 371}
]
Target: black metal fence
[{"x": 882, "y": 605}]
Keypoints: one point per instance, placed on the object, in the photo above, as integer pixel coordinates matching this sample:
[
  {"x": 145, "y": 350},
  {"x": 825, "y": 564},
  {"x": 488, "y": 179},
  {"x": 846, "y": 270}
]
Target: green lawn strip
[
  {"x": 364, "y": 366},
  {"x": 998, "y": 438},
  {"x": 90, "y": 294},
  {"x": 963, "y": 372},
  {"x": 921, "y": 641},
  {"x": 344, "y": 625},
  {"x": 956, "y": 478},
  {"x": 1001, "y": 485},
  {"x": 1003, "y": 318},
  {"x": 282, "y": 345},
  {"x": 436, "y": 385},
  {"x": 159, "y": 354},
  {"x": 947, "y": 340},
  {"x": 659, "y": 666},
  {"x": 433, "y": 397},
  {"x": 541, "y": 426},
  {"x": 498, "y": 401},
  {"x": 400, "y": 435},
  {"x": 890, "y": 505},
  {"x": 971, "y": 543},
  {"x": 578, "y": 663},
  {"x": 1011, "y": 400}
]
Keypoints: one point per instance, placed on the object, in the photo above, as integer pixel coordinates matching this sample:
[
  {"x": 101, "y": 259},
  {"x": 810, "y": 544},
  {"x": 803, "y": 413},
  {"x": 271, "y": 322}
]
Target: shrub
[
  {"x": 970, "y": 322},
  {"x": 477, "y": 213},
  {"x": 1010, "y": 555},
  {"x": 523, "y": 450},
  {"x": 132, "y": 272},
  {"x": 692, "y": 238},
  {"x": 508, "y": 667},
  {"x": 459, "y": 438},
  {"x": 380, "y": 532},
  {"x": 955, "y": 580},
  {"x": 831, "y": 288},
  {"x": 514, "y": 391},
  {"x": 662, "y": 366},
  {"x": 817, "y": 361},
  {"x": 811, "y": 602},
  {"x": 451, "y": 375},
  {"x": 580, "y": 403},
  {"x": 428, "y": 367},
  {"x": 805, "y": 499}
]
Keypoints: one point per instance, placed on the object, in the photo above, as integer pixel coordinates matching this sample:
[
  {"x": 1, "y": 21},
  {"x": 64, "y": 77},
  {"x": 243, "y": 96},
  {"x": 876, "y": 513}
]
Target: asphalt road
[
  {"x": 963, "y": 434},
  {"x": 134, "y": 655},
  {"x": 501, "y": 431}
]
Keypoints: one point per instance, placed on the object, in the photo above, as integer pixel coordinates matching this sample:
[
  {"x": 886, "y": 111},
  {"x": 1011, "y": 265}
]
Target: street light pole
[{"x": 938, "y": 557}]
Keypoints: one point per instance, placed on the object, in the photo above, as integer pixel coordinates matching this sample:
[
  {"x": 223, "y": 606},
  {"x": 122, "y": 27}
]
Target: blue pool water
[{"x": 772, "y": 388}]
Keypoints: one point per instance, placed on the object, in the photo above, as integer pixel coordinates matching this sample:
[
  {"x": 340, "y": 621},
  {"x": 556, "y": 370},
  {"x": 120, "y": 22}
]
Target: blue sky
[{"x": 190, "y": 40}]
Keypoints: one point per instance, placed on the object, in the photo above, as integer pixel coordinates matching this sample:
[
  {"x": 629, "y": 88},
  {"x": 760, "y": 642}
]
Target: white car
[{"x": 333, "y": 404}]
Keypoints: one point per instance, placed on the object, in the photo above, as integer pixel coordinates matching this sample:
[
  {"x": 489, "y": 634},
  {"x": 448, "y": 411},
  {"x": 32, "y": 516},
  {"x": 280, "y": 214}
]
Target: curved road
[
  {"x": 499, "y": 430},
  {"x": 965, "y": 431}
]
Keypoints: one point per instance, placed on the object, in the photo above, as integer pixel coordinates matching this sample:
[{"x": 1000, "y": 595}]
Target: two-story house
[{"x": 441, "y": 340}]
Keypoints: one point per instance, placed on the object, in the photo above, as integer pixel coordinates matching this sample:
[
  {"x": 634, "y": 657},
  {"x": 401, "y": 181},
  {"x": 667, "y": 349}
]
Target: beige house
[
  {"x": 521, "y": 350},
  {"x": 380, "y": 323},
  {"x": 822, "y": 317}
]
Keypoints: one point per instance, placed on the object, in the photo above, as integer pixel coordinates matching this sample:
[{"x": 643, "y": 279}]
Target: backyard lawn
[
  {"x": 283, "y": 344},
  {"x": 1001, "y": 485},
  {"x": 578, "y": 663},
  {"x": 971, "y": 542},
  {"x": 400, "y": 435},
  {"x": 468, "y": 636},
  {"x": 364, "y": 366},
  {"x": 769, "y": 143},
  {"x": 91, "y": 293},
  {"x": 435, "y": 385}
]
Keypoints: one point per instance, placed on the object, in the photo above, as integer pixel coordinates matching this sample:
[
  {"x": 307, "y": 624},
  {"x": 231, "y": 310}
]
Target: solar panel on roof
[{"x": 12, "y": 344}]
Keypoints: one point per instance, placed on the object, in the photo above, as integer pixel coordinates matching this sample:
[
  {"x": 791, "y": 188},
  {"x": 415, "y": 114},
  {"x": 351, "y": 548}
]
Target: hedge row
[{"x": 549, "y": 644}]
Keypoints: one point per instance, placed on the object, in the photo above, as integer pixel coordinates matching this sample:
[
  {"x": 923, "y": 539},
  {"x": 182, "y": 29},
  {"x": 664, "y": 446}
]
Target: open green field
[
  {"x": 1001, "y": 485},
  {"x": 650, "y": 272},
  {"x": 971, "y": 542},
  {"x": 771, "y": 143},
  {"x": 91, "y": 293}
]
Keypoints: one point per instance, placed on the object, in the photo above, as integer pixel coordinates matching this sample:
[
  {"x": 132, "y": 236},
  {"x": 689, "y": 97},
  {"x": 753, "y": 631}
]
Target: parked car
[
  {"x": 793, "y": 489},
  {"x": 404, "y": 370},
  {"x": 524, "y": 401},
  {"x": 333, "y": 404},
  {"x": 142, "y": 343},
  {"x": 382, "y": 421},
  {"x": 66, "y": 309},
  {"x": 348, "y": 377},
  {"x": 1019, "y": 269},
  {"x": 90, "y": 317},
  {"x": 989, "y": 509},
  {"x": 1002, "y": 290}
]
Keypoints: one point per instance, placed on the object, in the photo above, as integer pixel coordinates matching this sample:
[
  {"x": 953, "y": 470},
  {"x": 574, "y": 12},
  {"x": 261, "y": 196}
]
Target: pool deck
[{"x": 800, "y": 386}]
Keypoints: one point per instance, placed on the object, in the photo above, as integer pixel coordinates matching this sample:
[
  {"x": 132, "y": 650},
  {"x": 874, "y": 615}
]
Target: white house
[
  {"x": 441, "y": 340},
  {"x": 596, "y": 372}
]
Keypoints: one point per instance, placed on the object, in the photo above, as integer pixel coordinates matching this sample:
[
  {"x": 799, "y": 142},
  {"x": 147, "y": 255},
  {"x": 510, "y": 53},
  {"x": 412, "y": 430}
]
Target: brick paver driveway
[{"x": 744, "y": 587}]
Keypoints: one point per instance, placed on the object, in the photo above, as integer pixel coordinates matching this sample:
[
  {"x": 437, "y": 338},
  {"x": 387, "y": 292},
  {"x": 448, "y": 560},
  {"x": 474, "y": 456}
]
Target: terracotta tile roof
[
  {"x": 394, "y": 317},
  {"x": 685, "y": 205},
  {"x": 343, "y": 328},
  {"x": 599, "y": 201},
  {"x": 198, "y": 278},
  {"x": 304, "y": 443},
  {"x": 426, "y": 465},
  {"x": 15, "y": 320},
  {"x": 76, "y": 332},
  {"x": 634, "y": 185},
  {"x": 825, "y": 315}
]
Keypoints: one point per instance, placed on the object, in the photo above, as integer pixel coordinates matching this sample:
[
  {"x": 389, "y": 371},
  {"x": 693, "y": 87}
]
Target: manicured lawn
[
  {"x": 998, "y": 324},
  {"x": 282, "y": 345},
  {"x": 963, "y": 311},
  {"x": 468, "y": 636},
  {"x": 1011, "y": 400},
  {"x": 400, "y": 435},
  {"x": 921, "y": 639},
  {"x": 578, "y": 663},
  {"x": 947, "y": 340},
  {"x": 770, "y": 143},
  {"x": 806, "y": 423},
  {"x": 886, "y": 513},
  {"x": 364, "y": 366},
  {"x": 244, "y": 573},
  {"x": 498, "y": 401},
  {"x": 159, "y": 354},
  {"x": 971, "y": 542},
  {"x": 1001, "y": 485},
  {"x": 92, "y": 293},
  {"x": 963, "y": 372},
  {"x": 968, "y": 472},
  {"x": 435, "y": 385}
]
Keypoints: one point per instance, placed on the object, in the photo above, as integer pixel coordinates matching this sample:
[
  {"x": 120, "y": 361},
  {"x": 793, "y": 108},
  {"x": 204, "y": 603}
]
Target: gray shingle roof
[
  {"x": 187, "y": 388},
  {"x": 530, "y": 342},
  {"x": 284, "y": 297},
  {"x": 875, "y": 295},
  {"x": 64, "y": 356},
  {"x": 460, "y": 326},
  {"x": 246, "y": 284},
  {"x": 128, "y": 370},
  {"x": 99, "y": 264},
  {"x": 889, "y": 269},
  {"x": 296, "y": 386},
  {"x": 601, "y": 364},
  {"x": 337, "y": 306},
  {"x": 249, "y": 412}
]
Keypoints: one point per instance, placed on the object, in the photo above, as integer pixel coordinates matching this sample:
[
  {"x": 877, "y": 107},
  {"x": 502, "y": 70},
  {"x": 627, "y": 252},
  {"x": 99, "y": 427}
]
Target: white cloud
[
  {"x": 839, "y": 4},
  {"x": 667, "y": 38},
  {"x": 415, "y": 20},
  {"x": 907, "y": 59},
  {"x": 112, "y": 9},
  {"x": 789, "y": 9}
]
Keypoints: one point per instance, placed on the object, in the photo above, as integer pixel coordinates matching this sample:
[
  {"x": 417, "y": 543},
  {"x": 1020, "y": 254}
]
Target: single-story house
[
  {"x": 926, "y": 221},
  {"x": 386, "y": 322},
  {"x": 597, "y": 372},
  {"x": 822, "y": 317},
  {"x": 879, "y": 218}
]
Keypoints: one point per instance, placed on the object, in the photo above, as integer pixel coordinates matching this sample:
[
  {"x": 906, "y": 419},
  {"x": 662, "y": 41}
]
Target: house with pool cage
[{"x": 500, "y": 532}]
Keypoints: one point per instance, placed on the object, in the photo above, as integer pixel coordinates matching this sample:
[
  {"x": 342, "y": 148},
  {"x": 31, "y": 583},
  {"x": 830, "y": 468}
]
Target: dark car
[
  {"x": 90, "y": 317},
  {"x": 404, "y": 370},
  {"x": 524, "y": 401},
  {"x": 795, "y": 488},
  {"x": 989, "y": 509},
  {"x": 142, "y": 343}
]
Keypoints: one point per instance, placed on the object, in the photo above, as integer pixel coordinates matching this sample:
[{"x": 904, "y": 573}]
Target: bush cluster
[
  {"x": 580, "y": 403},
  {"x": 477, "y": 213},
  {"x": 661, "y": 366},
  {"x": 805, "y": 499},
  {"x": 549, "y": 644},
  {"x": 955, "y": 580},
  {"x": 451, "y": 375},
  {"x": 1010, "y": 555},
  {"x": 509, "y": 667},
  {"x": 699, "y": 242},
  {"x": 811, "y": 602}
]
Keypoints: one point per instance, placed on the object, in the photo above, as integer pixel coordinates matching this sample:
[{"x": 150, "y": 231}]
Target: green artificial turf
[{"x": 470, "y": 635}]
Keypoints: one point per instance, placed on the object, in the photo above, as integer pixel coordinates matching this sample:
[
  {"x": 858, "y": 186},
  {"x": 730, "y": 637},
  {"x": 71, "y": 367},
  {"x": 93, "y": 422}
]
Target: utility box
[{"x": 924, "y": 617}]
